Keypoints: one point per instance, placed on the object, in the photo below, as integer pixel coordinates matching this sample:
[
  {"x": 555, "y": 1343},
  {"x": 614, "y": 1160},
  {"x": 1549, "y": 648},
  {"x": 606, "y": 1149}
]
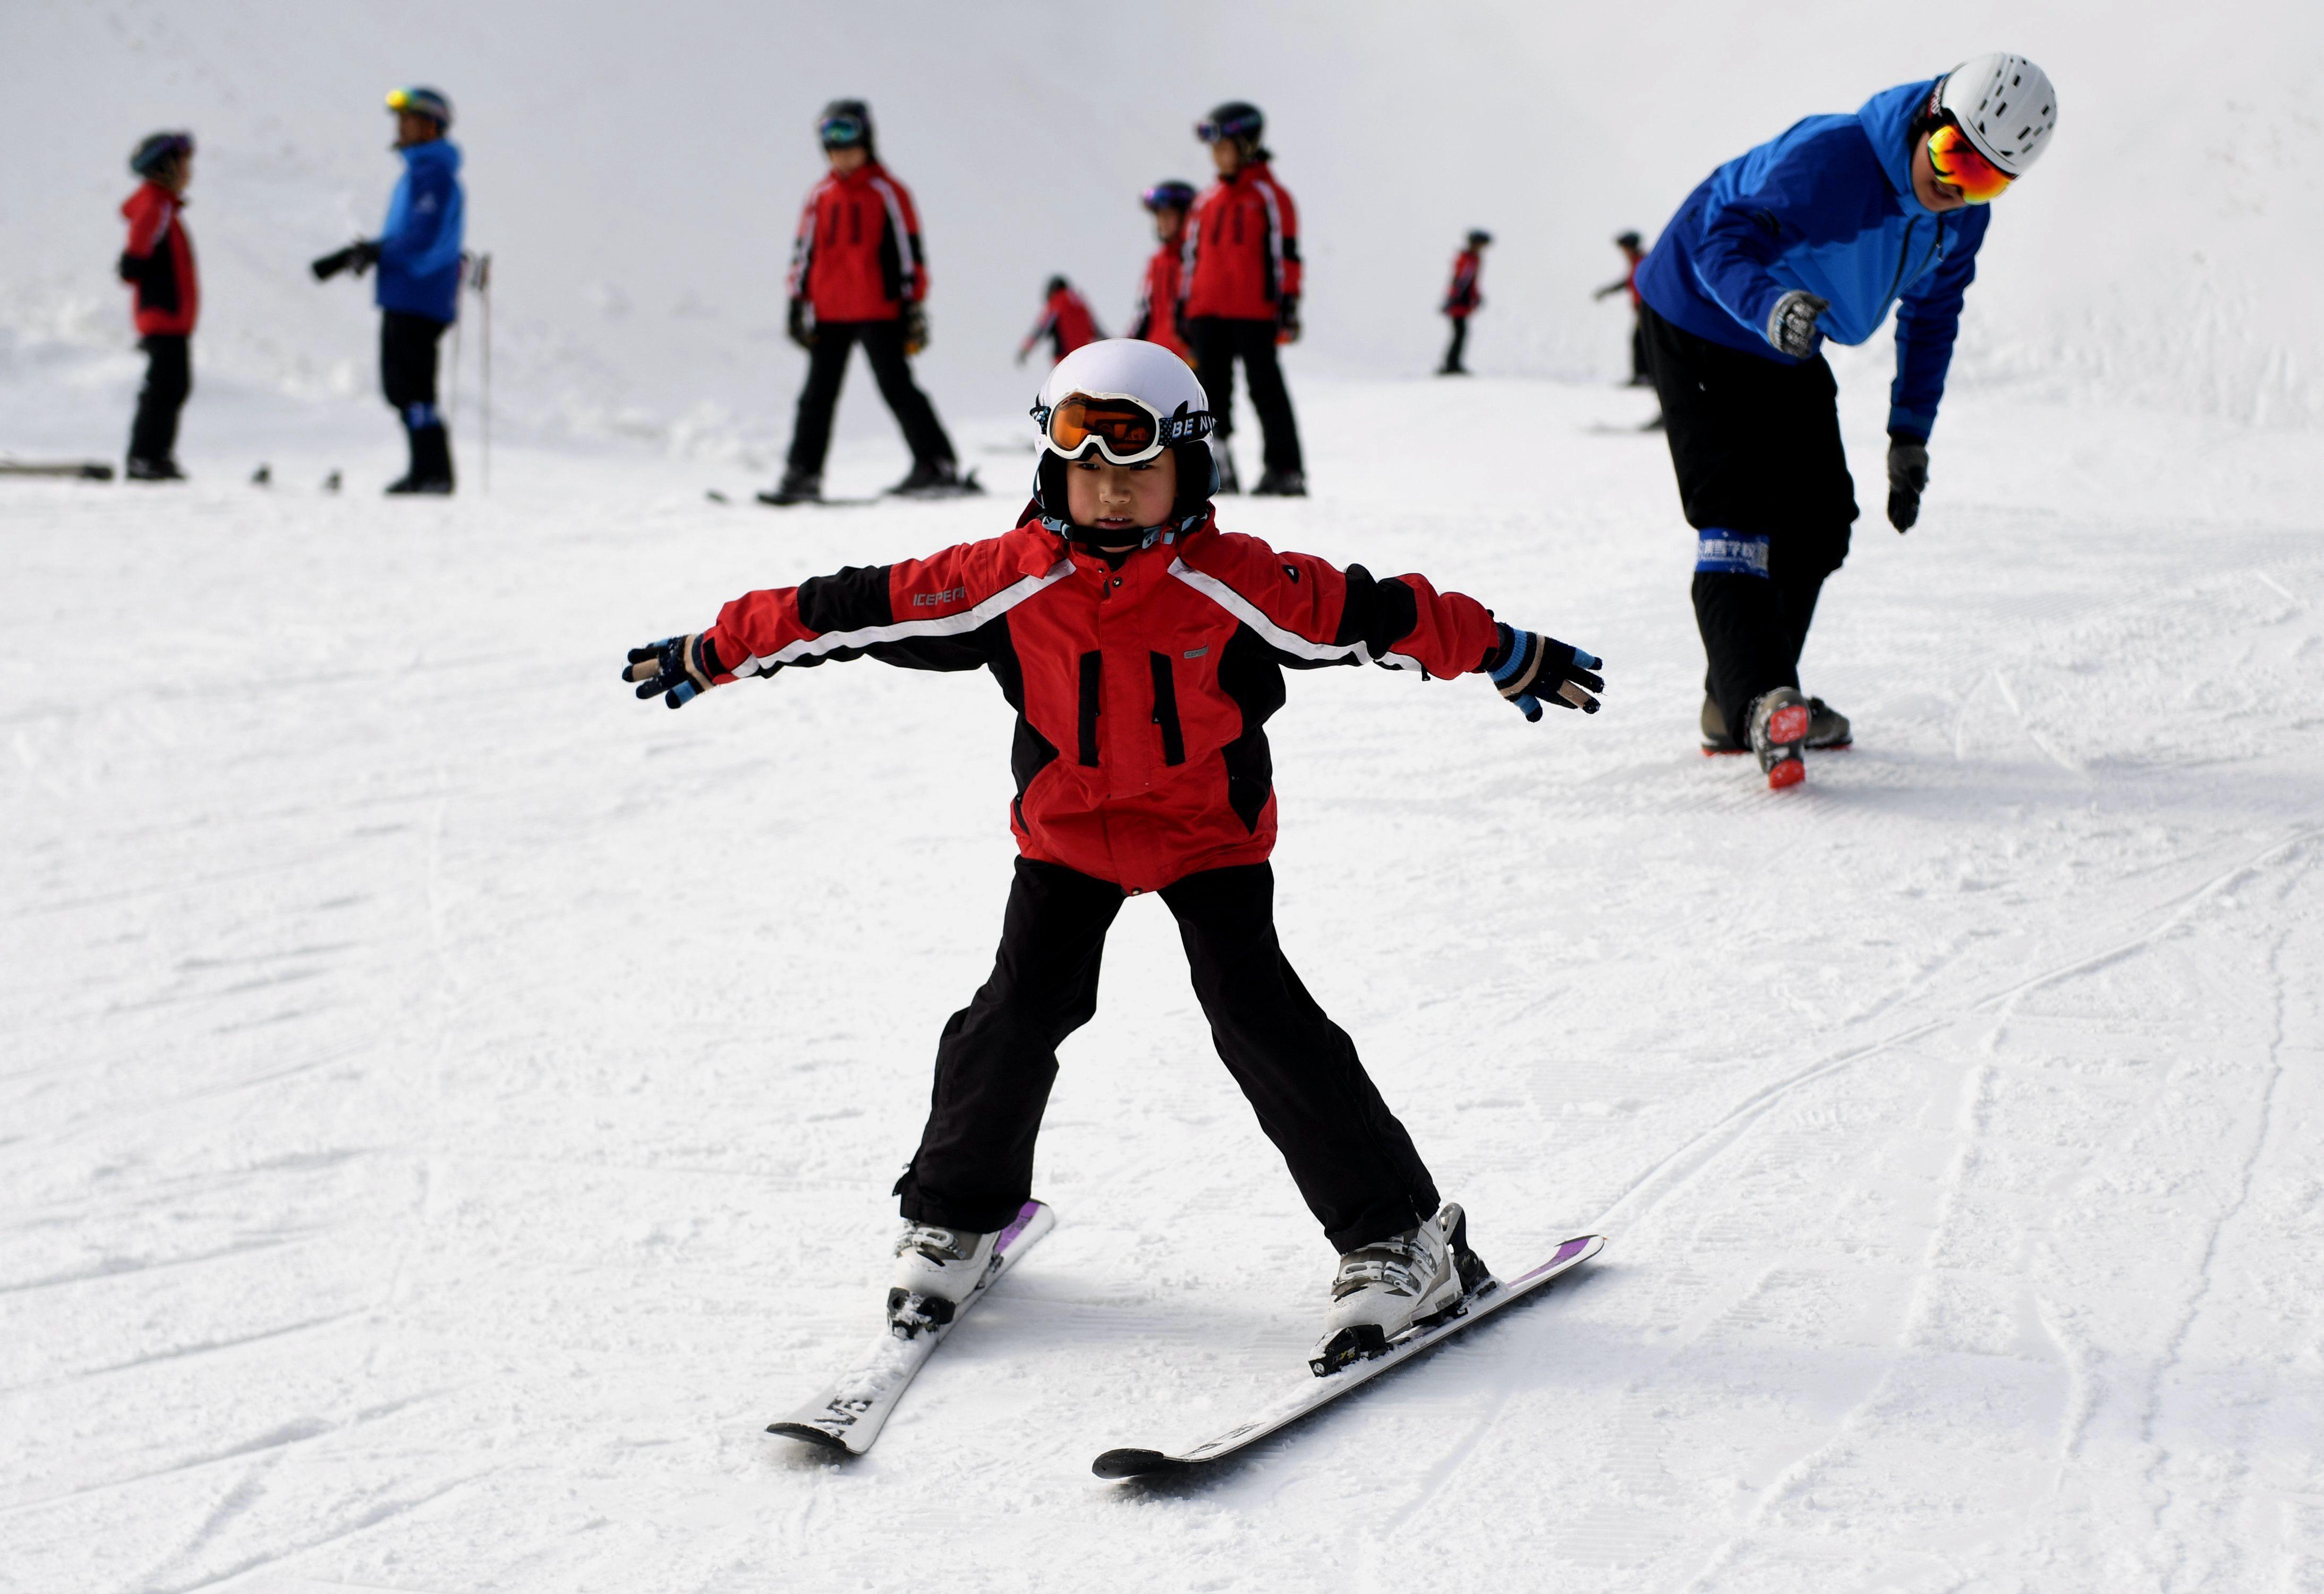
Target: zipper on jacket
[
  {"x": 1903, "y": 257},
  {"x": 1166, "y": 710},
  {"x": 1090, "y": 667}
]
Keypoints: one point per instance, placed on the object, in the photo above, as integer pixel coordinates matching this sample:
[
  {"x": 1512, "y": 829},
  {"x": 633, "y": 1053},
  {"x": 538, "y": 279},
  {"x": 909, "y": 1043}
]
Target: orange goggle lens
[
  {"x": 1124, "y": 431},
  {"x": 1958, "y": 162}
]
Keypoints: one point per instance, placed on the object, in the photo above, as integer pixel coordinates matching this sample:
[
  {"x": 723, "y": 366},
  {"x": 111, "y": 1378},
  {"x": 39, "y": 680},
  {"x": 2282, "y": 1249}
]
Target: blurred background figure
[
  {"x": 1065, "y": 321},
  {"x": 857, "y": 276},
  {"x": 1156, "y": 319},
  {"x": 1240, "y": 297},
  {"x": 1461, "y": 299},
  {"x": 1628, "y": 282},
  {"x": 158, "y": 264}
]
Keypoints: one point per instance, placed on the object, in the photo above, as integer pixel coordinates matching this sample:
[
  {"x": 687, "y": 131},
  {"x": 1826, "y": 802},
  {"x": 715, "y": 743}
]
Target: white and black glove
[
  {"x": 676, "y": 669},
  {"x": 1908, "y": 478},
  {"x": 1531, "y": 669},
  {"x": 1792, "y": 324}
]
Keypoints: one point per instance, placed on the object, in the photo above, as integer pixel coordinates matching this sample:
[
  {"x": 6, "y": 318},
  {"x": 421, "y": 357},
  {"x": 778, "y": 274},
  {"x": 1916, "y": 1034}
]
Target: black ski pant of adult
[
  {"x": 407, "y": 374},
  {"x": 1459, "y": 342},
  {"x": 169, "y": 379},
  {"x": 1351, "y": 1160},
  {"x": 826, "y": 368},
  {"x": 1218, "y": 343},
  {"x": 1764, "y": 483}
]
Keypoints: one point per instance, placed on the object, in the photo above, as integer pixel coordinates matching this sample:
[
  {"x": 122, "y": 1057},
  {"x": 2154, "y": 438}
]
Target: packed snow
[{"x": 448, "y": 1107}]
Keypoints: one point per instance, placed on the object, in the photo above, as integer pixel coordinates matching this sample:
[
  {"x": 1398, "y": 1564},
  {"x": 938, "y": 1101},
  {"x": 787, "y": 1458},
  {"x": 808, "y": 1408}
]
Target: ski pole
[
  {"x": 483, "y": 279},
  {"x": 452, "y": 386}
]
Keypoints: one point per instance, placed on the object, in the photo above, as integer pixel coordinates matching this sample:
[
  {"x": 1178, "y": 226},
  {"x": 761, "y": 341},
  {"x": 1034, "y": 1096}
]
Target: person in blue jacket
[
  {"x": 418, "y": 291},
  {"x": 1815, "y": 235}
]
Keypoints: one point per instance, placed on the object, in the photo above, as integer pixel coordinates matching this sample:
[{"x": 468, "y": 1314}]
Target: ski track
[{"x": 448, "y": 1109}]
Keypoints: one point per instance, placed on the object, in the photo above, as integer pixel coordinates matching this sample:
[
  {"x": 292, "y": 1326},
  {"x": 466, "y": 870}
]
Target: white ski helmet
[
  {"x": 1158, "y": 380},
  {"x": 2007, "y": 107}
]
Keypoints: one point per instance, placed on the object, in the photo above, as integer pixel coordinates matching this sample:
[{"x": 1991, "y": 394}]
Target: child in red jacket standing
[
  {"x": 1461, "y": 299},
  {"x": 1238, "y": 297},
  {"x": 1156, "y": 319},
  {"x": 158, "y": 264},
  {"x": 1143, "y": 649}
]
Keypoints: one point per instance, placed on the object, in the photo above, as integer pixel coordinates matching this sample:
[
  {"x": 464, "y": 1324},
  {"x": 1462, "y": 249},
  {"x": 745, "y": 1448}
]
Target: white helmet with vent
[{"x": 2007, "y": 107}]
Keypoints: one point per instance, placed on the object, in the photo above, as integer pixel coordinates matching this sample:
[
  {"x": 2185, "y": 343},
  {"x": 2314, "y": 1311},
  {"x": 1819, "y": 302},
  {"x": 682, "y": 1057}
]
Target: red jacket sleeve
[
  {"x": 1313, "y": 614},
  {"x": 803, "y": 244},
  {"x": 148, "y": 211},
  {"x": 915, "y": 265},
  {"x": 1294, "y": 270},
  {"x": 920, "y": 614}
]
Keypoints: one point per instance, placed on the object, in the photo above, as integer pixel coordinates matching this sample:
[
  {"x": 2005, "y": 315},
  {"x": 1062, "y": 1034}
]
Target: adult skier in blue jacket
[
  {"x": 418, "y": 252},
  {"x": 1815, "y": 235}
]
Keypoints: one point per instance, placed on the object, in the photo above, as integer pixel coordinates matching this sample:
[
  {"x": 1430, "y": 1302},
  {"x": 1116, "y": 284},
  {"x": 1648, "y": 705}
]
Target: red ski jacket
[
  {"x": 157, "y": 261},
  {"x": 1242, "y": 248},
  {"x": 1462, "y": 297},
  {"x": 1156, "y": 319},
  {"x": 1066, "y": 321},
  {"x": 1140, "y": 692},
  {"x": 857, "y": 256}
]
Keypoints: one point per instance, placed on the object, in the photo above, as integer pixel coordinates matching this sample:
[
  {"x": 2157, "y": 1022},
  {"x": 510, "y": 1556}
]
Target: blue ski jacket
[
  {"x": 1827, "y": 206},
  {"x": 419, "y": 243}
]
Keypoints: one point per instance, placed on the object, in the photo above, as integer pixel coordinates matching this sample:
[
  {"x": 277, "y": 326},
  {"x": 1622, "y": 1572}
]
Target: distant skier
[
  {"x": 158, "y": 264},
  {"x": 1461, "y": 299},
  {"x": 1238, "y": 294},
  {"x": 1142, "y": 649},
  {"x": 1157, "y": 317},
  {"x": 858, "y": 275},
  {"x": 1628, "y": 282},
  {"x": 1812, "y": 235},
  {"x": 1065, "y": 321}
]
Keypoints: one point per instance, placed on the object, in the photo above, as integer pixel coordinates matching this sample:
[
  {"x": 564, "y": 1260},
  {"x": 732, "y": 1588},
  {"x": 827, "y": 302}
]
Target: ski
[
  {"x": 87, "y": 470},
  {"x": 849, "y": 1415},
  {"x": 1314, "y": 1394}
]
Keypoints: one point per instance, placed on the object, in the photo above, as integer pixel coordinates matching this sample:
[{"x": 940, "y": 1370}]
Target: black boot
[
  {"x": 797, "y": 487},
  {"x": 431, "y": 464},
  {"x": 1281, "y": 483}
]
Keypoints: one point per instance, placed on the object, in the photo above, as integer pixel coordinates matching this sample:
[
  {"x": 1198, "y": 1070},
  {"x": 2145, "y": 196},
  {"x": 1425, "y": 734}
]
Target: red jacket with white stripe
[
  {"x": 1242, "y": 248},
  {"x": 157, "y": 261},
  {"x": 857, "y": 256},
  {"x": 1141, "y": 692}
]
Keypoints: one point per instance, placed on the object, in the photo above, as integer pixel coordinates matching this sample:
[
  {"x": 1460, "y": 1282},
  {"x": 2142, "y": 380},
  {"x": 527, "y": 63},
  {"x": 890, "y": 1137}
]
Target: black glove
[
  {"x": 1792, "y": 324},
  {"x": 915, "y": 329},
  {"x": 802, "y": 332},
  {"x": 676, "y": 669},
  {"x": 1287, "y": 321},
  {"x": 1908, "y": 478},
  {"x": 1531, "y": 668},
  {"x": 356, "y": 257}
]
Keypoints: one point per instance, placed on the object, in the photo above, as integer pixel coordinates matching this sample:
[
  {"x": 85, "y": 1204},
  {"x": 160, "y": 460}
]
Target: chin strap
[{"x": 1087, "y": 536}]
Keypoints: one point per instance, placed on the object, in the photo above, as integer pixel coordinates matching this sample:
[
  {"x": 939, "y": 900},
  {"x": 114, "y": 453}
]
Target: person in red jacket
[
  {"x": 1065, "y": 321},
  {"x": 1461, "y": 299},
  {"x": 857, "y": 276},
  {"x": 158, "y": 264},
  {"x": 1156, "y": 319},
  {"x": 1238, "y": 294},
  {"x": 1143, "y": 649},
  {"x": 1633, "y": 253}
]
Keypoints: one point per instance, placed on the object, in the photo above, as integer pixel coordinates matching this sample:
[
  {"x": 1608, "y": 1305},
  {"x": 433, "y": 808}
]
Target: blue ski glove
[
  {"x": 1531, "y": 668},
  {"x": 676, "y": 669}
]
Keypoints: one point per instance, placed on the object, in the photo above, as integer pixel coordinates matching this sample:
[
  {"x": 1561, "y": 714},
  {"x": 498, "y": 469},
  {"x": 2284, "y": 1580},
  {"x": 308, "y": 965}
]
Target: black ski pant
[
  {"x": 826, "y": 369},
  {"x": 1641, "y": 375},
  {"x": 1351, "y": 1160},
  {"x": 169, "y": 379},
  {"x": 407, "y": 374},
  {"x": 1459, "y": 342},
  {"x": 1764, "y": 483},
  {"x": 1218, "y": 343}
]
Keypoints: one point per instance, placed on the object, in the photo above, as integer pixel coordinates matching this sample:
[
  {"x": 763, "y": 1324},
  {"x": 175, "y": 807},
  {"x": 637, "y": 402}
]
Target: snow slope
[{"x": 449, "y": 1106}]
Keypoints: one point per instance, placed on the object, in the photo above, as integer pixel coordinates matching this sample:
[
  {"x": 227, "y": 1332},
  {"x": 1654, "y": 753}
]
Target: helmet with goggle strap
[
  {"x": 846, "y": 123},
  {"x": 1126, "y": 401},
  {"x": 416, "y": 101}
]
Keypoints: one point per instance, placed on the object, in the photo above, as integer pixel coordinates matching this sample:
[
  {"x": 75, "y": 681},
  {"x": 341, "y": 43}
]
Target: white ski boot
[
  {"x": 936, "y": 1269},
  {"x": 1385, "y": 1290}
]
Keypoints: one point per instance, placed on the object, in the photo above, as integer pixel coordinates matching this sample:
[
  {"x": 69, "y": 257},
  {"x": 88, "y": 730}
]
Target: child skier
[
  {"x": 158, "y": 264},
  {"x": 1065, "y": 321},
  {"x": 1155, "y": 319},
  {"x": 1461, "y": 299},
  {"x": 1143, "y": 649}
]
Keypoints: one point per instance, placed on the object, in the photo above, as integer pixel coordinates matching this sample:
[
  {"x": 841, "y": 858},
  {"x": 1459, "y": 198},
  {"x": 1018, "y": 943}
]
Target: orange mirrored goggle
[
  {"x": 1958, "y": 162},
  {"x": 1124, "y": 430}
]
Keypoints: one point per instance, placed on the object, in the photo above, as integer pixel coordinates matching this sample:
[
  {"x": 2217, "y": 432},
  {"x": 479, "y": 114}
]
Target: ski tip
[
  {"x": 810, "y": 1434},
  {"x": 1134, "y": 1463}
]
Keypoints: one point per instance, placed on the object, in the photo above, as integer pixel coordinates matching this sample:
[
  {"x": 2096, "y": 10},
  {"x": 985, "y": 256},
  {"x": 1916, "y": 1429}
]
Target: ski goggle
[
  {"x": 1124, "y": 429},
  {"x": 1956, "y": 160},
  {"x": 419, "y": 102},
  {"x": 842, "y": 131},
  {"x": 1210, "y": 132}
]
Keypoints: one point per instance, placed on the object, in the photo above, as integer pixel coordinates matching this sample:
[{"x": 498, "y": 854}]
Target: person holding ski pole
[
  {"x": 1461, "y": 299},
  {"x": 1143, "y": 649},
  {"x": 158, "y": 264},
  {"x": 1065, "y": 321},
  {"x": 1156, "y": 319},
  {"x": 1812, "y": 235},
  {"x": 1238, "y": 292},
  {"x": 857, "y": 276},
  {"x": 1633, "y": 253}
]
